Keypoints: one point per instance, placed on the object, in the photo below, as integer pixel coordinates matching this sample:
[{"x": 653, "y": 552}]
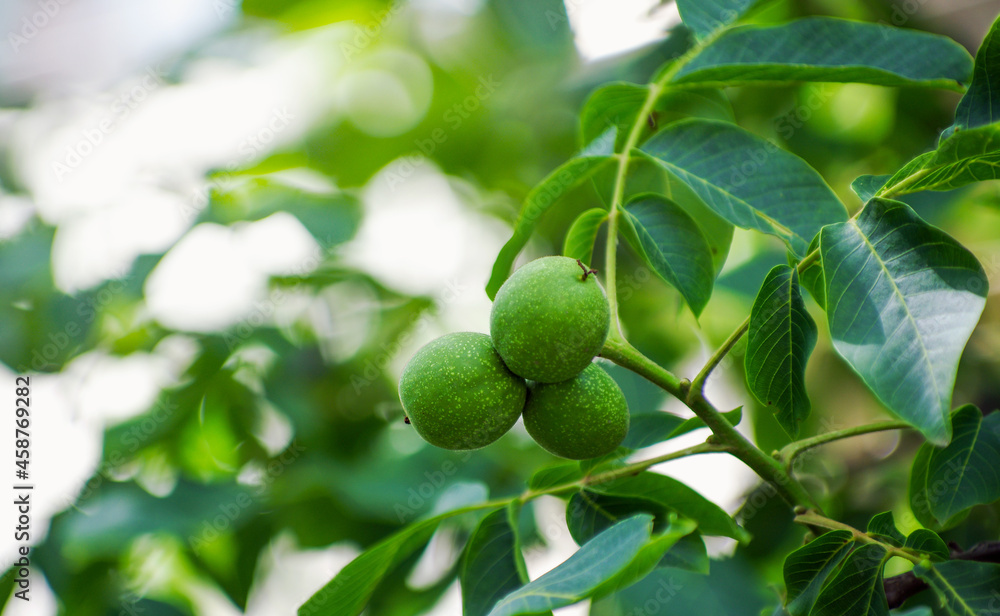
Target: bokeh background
[{"x": 225, "y": 226}]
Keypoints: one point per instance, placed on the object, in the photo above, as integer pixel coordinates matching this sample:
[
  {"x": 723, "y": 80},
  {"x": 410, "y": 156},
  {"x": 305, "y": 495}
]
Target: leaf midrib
[{"x": 906, "y": 307}]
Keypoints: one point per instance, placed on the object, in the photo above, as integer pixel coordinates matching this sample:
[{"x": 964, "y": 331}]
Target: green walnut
[
  {"x": 458, "y": 393},
  {"x": 550, "y": 319},
  {"x": 579, "y": 419}
]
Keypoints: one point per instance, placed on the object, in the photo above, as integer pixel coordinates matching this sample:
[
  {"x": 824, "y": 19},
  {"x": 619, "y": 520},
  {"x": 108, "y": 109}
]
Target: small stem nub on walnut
[{"x": 586, "y": 272}]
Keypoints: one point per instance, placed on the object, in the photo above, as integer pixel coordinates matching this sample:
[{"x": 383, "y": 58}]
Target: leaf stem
[
  {"x": 769, "y": 469},
  {"x": 817, "y": 520},
  {"x": 792, "y": 450},
  {"x": 698, "y": 384}
]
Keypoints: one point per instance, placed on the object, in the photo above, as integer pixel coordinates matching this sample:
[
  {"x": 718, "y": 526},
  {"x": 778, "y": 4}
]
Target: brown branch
[{"x": 901, "y": 587}]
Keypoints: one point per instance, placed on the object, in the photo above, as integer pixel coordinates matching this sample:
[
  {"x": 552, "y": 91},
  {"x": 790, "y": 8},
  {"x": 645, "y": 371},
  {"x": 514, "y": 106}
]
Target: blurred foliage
[{"x": 197, "y": 481}]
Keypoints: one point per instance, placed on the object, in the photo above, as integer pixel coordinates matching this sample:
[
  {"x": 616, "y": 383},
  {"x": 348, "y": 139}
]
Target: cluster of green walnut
[{"x": 466, "y": 390}]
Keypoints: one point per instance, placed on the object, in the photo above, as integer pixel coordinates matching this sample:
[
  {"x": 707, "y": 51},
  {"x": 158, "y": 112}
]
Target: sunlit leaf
[
  {"x": 706, "y": 16},
  {"x": 582, "y": 234},
  {"x": 965, "y": 157},
  {"x": 748, "y": 181},
  {"x": 542, "y": 197},
  {"x": 831, "y": 50},
  {"x": 902, "y": 299}
]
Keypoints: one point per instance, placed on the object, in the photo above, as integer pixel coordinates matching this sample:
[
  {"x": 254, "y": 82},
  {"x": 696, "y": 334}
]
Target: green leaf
[
  {"x": 650, "y": 428},
  {"x": 648, "y": 557},
  {"x": 671, "y": 243},
  {"x": 780, "y": 339},
  {"x": 966, "y": 587},
  {"x": 557, "y": 475},
  {"x": 541, "y": 198},
  {"x": 582, "y": 234},
  {"x": 647, "y": 175},
  {"x": 348, "y": 593},
  {"x": 589, "y": 513},
  {"x": 747, "y": 180},
  {"x": 857, "y": 589},
  {"x": 807, "y": 568},
  {"x": 812, "y": 276},
  {"x": 902, "y": 300},
  {"x": 617, "y": 105},
  {"x": 674, "y": 495},
  {"x": 489, "y": 567},
  {"x": 734, "y": 417},
  {"x": 981, "y": 103},
  {"x": 965, "y": 157},
  {"x": 865, "y": 186},
  {"x": 883, "y": 528},
  {"x": 689, "y": 554},
  {"x": 928, "y": 542},
  {"x": 946, "y": 481},
  {"x": 831, "y": 50},
  {"x": 706, "y": 16},
  {"x": 600, "y": 560}
]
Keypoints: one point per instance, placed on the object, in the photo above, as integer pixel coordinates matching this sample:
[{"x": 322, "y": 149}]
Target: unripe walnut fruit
[
  {"x": 550, "y": 319},
  {"x": 458, "y": 394},
  {"x": 581, "y": 418}
]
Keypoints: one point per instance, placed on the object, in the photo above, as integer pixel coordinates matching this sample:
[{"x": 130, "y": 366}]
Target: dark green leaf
[
  {"x": 780, "y": 339},
  {"x": 557, "y": 475},
  {"x": 648, "y": 557},
  {"x": 857, "y": 589},
  {"x": 965, "y": 157},
  {"x": 671, "y": 243},
  {"x": 688, "y": 554},
  {"x": 747, "y": 180},
  {"x": 649, "y": 428},
  {"x": 967, "y": 588},
  {"x": 348, "y": 593},
  {"x": 812, "y": 276},
  {"x": 647, "y": 175},
  {"x": 676, "y": 496},
  {"x": 981, "y": 103},
  {"x": 541, "y": 198},
  {"x": 832, "y": 50},
  {"x": 865, "y": 186},
  {"x": 928, "y": 542},
  {"x": 946, "y": 481},
  {"x": 489, "y": 567},
  {"x": 883, "y": 528},
  {"x": 582, "y": 234},
  {"x": 807, "y": 568},
  {"x": 902, "y": 300},
  {"x": 590, "y": 513},
  {"x": 601, "y": 559},
  {"x": 706, "y": 16}
]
